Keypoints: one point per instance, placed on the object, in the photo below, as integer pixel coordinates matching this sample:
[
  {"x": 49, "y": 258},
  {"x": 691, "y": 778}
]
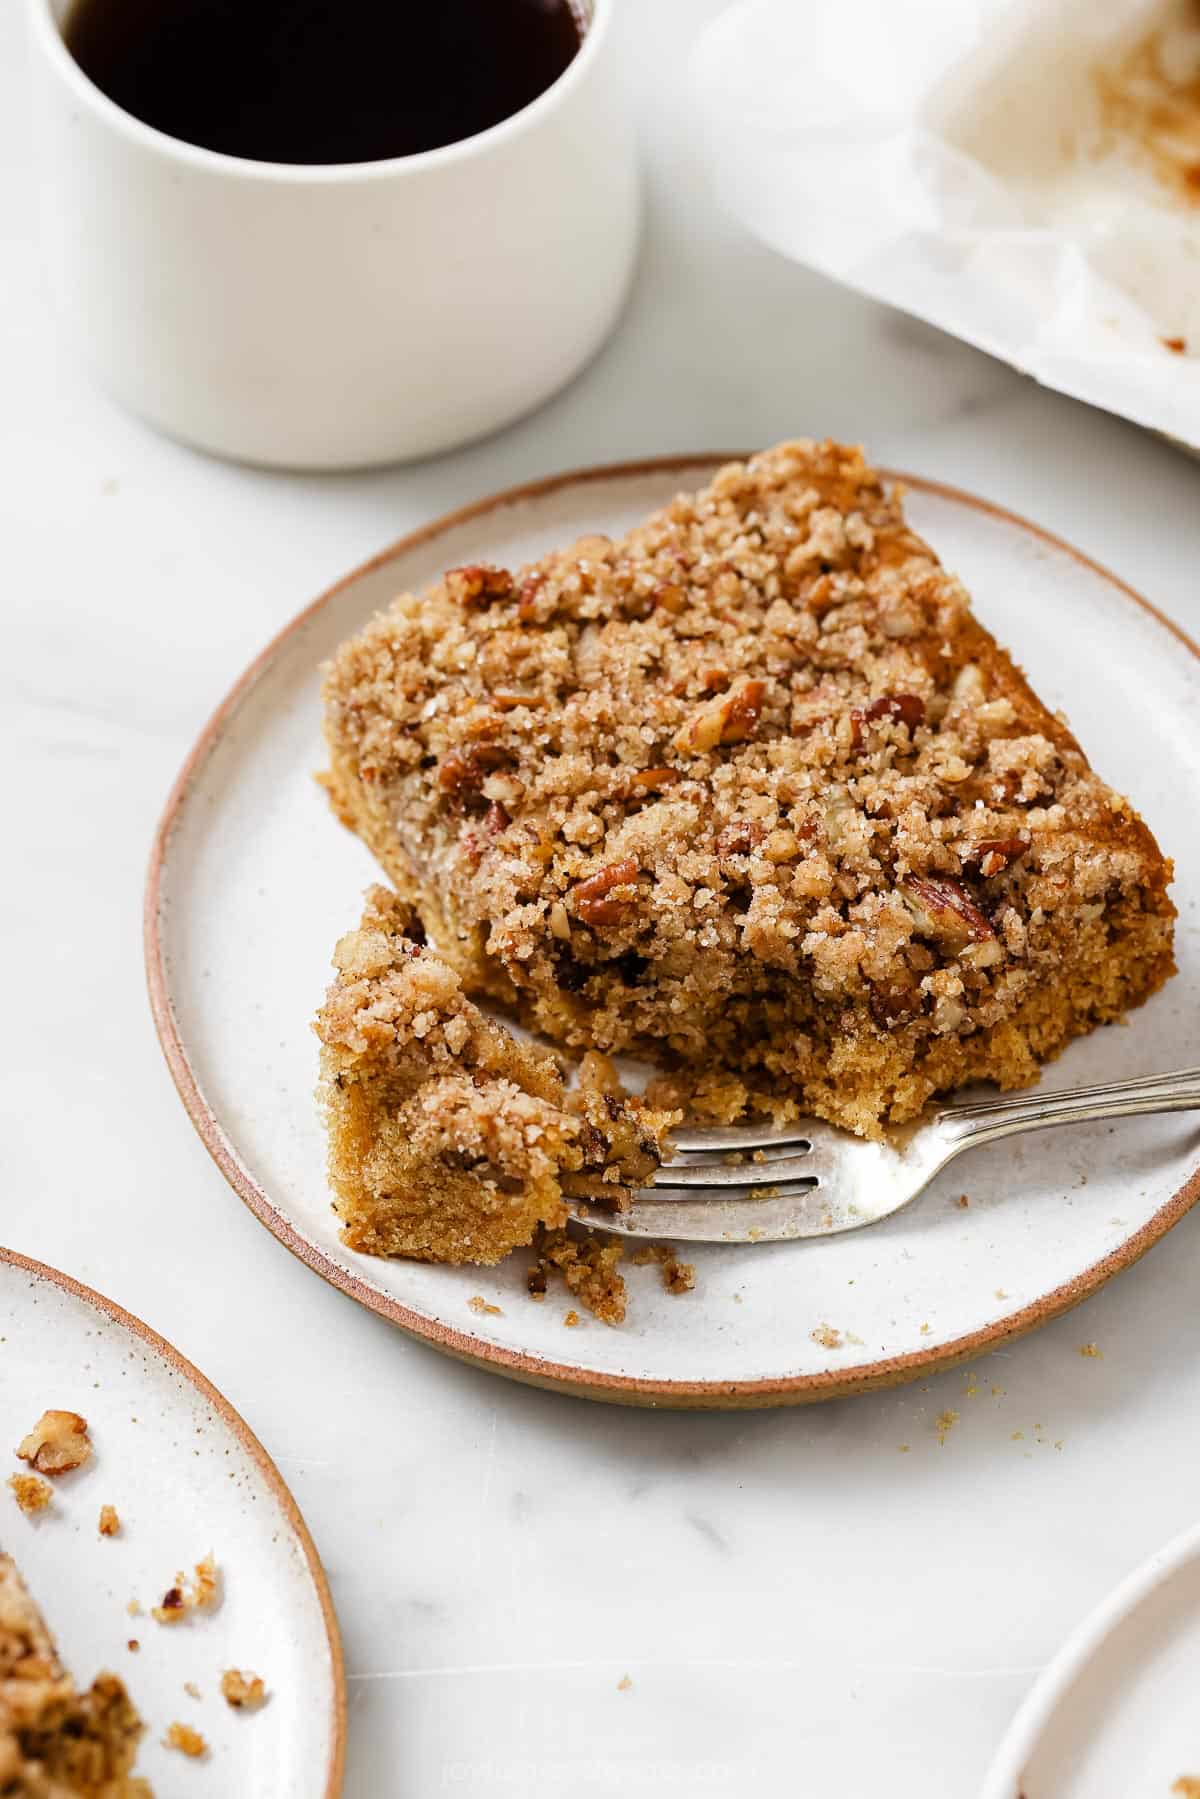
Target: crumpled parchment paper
[{"x": 1023, "y": 173}]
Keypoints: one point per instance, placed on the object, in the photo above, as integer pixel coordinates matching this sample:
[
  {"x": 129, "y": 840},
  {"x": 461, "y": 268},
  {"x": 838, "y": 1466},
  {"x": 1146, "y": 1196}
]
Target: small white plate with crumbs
[
  {"x": 134, "y": 1471},
  {"x": 1116, "y": 1713},
  {"x": 252, "y": 883}
]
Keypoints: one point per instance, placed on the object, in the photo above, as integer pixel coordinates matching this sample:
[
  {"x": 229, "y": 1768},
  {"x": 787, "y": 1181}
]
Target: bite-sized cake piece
[
  {"x": 450, "y": 1140},
  {"x": 55, "y": 1742},
  {"x": 750, "y": 790}
]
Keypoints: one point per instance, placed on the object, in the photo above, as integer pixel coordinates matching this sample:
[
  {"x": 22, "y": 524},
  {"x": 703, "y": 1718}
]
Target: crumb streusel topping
[{"x": 752, "y": 791}]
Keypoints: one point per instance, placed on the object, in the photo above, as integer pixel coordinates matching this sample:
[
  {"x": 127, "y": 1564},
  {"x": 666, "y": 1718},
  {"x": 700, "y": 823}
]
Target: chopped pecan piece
[
  {"x": 596, "y": 899},
  {"x": 905, "y": 708},
  {"x": 730, "y": 719},
  {"x": 463, "y": 772},
  {"x": 993, "y": 854},
  {"x": 508, "y": 701},
  {"x": 671, "y": 597},
  {"x": 479, "y": 584},
  {"x": 57, "y": 1443},
  {"x": 528, "y": 595},
  {"x": 739, "y": 837},
  {"x": 944, "y": 909},
  {"x": 650, "y": 780}
]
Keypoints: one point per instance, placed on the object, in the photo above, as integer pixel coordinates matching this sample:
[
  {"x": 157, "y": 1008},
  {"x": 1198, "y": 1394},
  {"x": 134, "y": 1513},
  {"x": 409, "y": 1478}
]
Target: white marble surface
[{"x": 803, "y": 1610}]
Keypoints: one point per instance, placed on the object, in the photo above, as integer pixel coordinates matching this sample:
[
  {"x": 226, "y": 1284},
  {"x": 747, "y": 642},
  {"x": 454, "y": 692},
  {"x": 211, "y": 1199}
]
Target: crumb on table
[
  {"x": 242, "y": 1690},
  {"x": 32, "y": 1493},
  {"x": 185, "y": 1739},
  {"x": 110, "y": 1523},
  {"x": 944, "y": 1423},
  {"x": 57, "y": 1444}
]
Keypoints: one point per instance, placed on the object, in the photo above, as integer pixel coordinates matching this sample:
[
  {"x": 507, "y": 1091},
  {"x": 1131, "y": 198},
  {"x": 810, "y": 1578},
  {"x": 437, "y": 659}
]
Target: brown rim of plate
[
  {"x": 291, "y": 1511},
  {"x": 532, "y": 1370}
]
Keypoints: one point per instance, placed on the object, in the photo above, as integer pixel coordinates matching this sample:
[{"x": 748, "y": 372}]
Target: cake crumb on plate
[
  {"x": 32, "y": 1493},
  {"x": 198, "y": 1595},
  {"x": 188, "y": 1741},
  {"x": 242, "y": 1690}
]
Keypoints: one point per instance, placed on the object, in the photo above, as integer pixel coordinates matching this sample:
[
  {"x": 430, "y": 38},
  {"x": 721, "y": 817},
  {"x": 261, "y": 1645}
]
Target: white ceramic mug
[{"x": 341, "y": 315}]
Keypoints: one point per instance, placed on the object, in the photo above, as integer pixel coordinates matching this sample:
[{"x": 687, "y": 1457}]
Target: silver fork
[{"x": 812, "y": 1179}]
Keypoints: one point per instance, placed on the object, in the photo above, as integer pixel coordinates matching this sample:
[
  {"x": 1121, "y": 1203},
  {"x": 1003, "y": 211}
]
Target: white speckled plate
[
  {"x": 1116, "y": 1714},
  {"x": 251, "y": 883},
  {"x": 187, "y": 1479}
]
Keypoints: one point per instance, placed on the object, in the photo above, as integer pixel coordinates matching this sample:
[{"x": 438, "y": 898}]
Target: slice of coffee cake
[
  {"x": 449, "y": 1139},
  {"x": 56, "y": 1742},
  {"x": 750, "y": 790}
]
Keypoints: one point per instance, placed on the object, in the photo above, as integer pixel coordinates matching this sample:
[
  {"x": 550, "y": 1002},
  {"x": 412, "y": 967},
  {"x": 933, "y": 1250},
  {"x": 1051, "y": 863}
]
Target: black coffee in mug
[{"x": 322, "y": 81}]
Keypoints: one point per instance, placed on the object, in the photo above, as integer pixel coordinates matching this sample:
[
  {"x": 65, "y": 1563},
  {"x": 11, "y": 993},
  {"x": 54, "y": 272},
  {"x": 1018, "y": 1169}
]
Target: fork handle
[{"x": 968, "y": 1125}]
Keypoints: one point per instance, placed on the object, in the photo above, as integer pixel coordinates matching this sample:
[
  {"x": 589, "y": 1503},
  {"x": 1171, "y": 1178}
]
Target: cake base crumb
[
  {"x": 588, "y": 1265},
  {"x": 677, "y": 1276},
  {"x": 483, "y": 1307},
  {"x": 32, "y": 1493}
]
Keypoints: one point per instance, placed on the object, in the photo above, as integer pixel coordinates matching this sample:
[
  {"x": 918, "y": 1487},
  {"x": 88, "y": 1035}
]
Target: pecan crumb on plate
[{"x": 57, "y": 1444}]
